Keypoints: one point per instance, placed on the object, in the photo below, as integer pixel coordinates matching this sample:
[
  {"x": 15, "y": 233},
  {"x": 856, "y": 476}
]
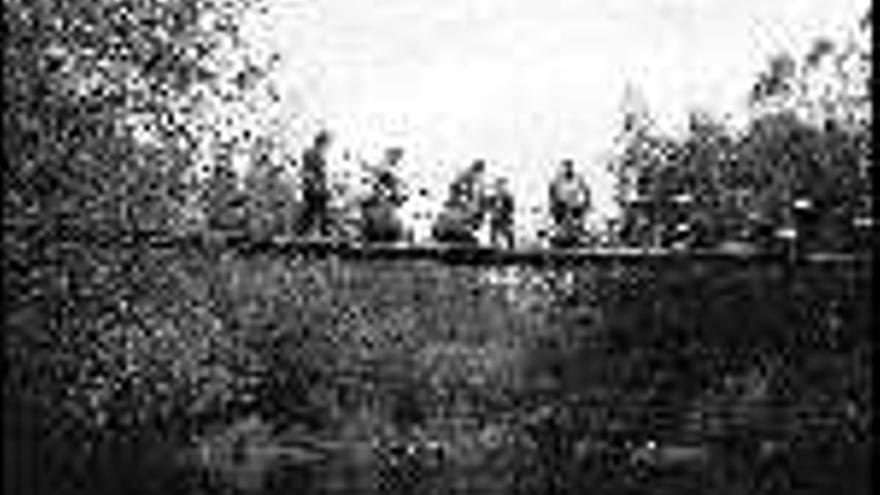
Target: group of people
[
  {"x": 378, "y": 210},
  {"x": 470, "y": 202}
]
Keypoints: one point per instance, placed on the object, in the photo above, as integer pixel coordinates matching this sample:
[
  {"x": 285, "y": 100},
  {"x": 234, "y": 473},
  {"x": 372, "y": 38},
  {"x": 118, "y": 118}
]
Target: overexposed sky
[{"x": 523, "y": 83}]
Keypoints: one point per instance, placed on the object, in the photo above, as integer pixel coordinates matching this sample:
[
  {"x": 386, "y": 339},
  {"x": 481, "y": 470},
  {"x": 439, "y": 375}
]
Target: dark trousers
[
  {"x": 569, "y": 225},
  {"x": 381, "y": 223},
  {"x": 315, "y": 214},
  {"x": 567, "y": 217}
]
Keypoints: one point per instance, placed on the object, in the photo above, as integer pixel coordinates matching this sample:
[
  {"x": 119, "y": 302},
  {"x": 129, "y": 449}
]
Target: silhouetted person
[
  {"x": 501, "y": 208},
  {"x": 569, "y": 203},
  {"x": 381, "y": 223},
  {"x": 316, "y": 194}
]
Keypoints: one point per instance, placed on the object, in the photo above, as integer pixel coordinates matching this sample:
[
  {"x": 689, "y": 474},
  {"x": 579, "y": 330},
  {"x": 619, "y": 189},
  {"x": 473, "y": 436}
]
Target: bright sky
[{"x": 524, "y": 82}]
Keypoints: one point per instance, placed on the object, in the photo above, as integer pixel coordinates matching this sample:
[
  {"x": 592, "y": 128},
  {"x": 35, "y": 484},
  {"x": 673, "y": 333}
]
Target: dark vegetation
[
  {"x": 715, "y": 184},
  {"x": 134, "y": 353}
]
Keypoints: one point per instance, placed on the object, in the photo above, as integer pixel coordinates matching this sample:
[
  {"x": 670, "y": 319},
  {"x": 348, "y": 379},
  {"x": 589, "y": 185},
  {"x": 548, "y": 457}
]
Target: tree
[
  {"x": 642, "y": 160},
  {"x": 104, "y": 103},
  {"x": 775, "y": 86},
  {"x": 804, "y": 160},
  {"x": 817, "y": 140},
  {"x": 99, "y": 138}
]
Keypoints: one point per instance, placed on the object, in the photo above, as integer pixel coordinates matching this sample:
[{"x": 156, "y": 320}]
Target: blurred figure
[
  {"x": 569, "y": 202},
  {"x": 500, "y": 205},
  {"x": 224, "y": 198},
  {"x": 467, "y": 190},
  {"x": 463, "y": 209},
  {"x": 380, "y": 220},
  {"x": 316, "y": 194}
]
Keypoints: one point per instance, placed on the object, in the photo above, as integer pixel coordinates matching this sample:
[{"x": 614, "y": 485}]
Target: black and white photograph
[{"x": 422, "y": 247}]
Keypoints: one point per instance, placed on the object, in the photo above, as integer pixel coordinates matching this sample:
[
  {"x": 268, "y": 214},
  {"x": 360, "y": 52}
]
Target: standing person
[
  {"x": 316, "y": 194},
  {"x": 501, "y": 207},
  {"x": 569, "y": 203},
  {"x": 387, "y": 195}
]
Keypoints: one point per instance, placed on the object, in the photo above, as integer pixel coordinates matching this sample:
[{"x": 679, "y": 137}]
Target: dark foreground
[{"x": 199, "y": 371}]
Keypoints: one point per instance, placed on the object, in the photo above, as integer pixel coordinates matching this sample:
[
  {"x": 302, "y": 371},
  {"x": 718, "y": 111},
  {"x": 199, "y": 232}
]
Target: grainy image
[{"x": 415, "y": 247}]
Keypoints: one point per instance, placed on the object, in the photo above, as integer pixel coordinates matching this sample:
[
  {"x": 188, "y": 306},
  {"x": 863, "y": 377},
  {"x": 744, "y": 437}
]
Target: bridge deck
[{"x": 484, "y": 255}]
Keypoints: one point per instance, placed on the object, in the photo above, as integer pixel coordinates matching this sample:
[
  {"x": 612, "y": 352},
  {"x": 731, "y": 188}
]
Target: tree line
[{"x": 800, "y": 170}]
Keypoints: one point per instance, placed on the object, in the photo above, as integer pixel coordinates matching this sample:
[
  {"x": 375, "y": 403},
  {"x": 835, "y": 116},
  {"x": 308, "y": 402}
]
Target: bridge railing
[{"x": 458, "y": 253}]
